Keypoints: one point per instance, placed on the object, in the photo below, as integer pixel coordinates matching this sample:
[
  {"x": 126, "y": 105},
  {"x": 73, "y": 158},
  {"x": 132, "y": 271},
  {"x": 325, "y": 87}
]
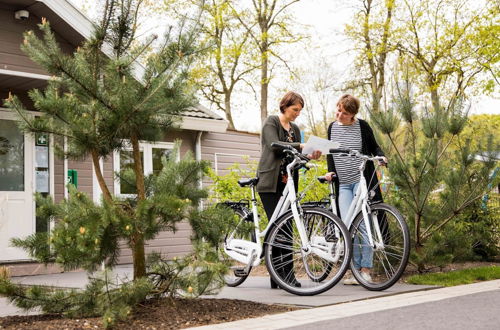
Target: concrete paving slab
[
  {"x": 6, "y": 309},
  {"x": 257, "y": 289},
  {"x": 76, "y": 279}
]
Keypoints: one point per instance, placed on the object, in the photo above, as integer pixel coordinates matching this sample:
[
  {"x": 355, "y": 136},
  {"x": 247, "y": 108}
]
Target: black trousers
[{"x": 282, "y": 256}]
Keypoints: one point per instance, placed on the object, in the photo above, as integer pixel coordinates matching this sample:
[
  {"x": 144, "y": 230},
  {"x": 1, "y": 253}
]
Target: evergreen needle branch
[
  {"x": 94, "y": 94},
  {"x": 430, "y": 230},
  {"x": 438, "y": 158},
  {"x": 407, "y": 173}
]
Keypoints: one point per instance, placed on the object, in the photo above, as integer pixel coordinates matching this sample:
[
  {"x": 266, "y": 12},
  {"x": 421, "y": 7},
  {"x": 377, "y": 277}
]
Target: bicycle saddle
[{"x": 248, "y": 182}]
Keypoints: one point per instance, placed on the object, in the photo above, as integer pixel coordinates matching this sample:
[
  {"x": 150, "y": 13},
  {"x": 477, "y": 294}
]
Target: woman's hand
[
  {"x": 383, "y": 162},
  {"x": 329, "y": 176},
  {"x": 315, "y": 154}
]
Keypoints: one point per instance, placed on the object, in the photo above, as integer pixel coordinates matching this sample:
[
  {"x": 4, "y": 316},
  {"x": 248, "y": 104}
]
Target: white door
[{"x": 17, "y": 211}]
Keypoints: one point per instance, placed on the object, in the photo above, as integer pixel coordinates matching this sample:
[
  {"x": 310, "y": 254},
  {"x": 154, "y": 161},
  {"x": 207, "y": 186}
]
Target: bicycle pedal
[
  {"x": 240, "y": 272},
  {"x": 330, "y": 238}
]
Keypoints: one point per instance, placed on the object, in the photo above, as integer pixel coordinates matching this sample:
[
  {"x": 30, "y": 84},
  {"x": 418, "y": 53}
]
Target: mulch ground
[{"x": 157, "y": 314}]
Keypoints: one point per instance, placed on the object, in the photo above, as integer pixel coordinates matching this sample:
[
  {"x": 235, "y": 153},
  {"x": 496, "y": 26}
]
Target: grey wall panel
[{"x": 11, "y": 36}]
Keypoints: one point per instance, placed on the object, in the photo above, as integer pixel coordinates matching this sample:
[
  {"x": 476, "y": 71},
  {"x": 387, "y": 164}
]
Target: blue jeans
[{"x": 362, "y": 251}]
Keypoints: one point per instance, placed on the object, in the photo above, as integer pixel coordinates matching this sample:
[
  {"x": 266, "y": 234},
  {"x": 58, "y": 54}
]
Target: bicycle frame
[
  {"x": 250, "y": 253},
  {"x": 360, "y": 203}
]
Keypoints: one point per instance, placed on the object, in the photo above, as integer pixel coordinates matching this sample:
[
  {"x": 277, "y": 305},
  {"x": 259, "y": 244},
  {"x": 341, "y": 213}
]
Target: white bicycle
[
  {"x": 378, "y": 230},
  {"x": 306, "y": 250}
]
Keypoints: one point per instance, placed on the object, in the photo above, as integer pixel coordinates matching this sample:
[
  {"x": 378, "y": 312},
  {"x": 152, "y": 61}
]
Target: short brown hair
[
  {"x": 290, "y": 98},
  {"x": 349, "y": 103}
]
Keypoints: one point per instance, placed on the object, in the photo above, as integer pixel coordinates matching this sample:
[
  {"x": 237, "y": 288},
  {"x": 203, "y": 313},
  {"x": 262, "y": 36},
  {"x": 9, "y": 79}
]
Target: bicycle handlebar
[
  {"x": 357, "y": 154},
  {"x": 283, "y": 147}
]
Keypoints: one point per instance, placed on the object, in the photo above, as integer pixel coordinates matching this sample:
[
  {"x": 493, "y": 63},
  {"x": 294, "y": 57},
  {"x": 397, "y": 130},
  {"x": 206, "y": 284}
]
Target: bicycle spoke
[
  {"x": 306, "y": 273},
  {"x": 390, "y": 256}
]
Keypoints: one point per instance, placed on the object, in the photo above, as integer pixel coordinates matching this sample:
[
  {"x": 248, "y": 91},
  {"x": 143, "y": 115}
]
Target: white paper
[
  {"x": 317, "y": 143},
  {"x": 42, "y": 181},
  {"x": 42, "y": 157}
]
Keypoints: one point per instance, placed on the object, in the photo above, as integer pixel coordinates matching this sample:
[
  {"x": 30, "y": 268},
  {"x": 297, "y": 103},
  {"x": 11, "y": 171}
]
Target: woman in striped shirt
[{"x": 355, "y": 134}]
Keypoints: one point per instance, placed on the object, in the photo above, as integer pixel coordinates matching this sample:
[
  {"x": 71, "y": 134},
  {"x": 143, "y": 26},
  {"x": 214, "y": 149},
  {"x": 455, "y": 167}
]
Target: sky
[{"x": 324, "y": 20}]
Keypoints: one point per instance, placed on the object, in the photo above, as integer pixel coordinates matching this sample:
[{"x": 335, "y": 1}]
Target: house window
[
  {"x": 151, "y": 154},
  {"x": 11, "y": 157}
]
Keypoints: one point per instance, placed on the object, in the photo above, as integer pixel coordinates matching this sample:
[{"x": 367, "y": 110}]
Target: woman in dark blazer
[{"x": 272, "y": 165}]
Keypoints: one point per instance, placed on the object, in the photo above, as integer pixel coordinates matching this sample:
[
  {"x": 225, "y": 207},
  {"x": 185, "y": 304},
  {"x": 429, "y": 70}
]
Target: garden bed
[{"x": 157, "y": 314}]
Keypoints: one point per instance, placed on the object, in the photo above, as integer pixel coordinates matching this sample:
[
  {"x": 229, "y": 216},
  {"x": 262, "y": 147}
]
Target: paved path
[
  {"x": 253, "y": 289},
  {"x": 444, "y": 308},
  {"x": 258, "y": 289}
]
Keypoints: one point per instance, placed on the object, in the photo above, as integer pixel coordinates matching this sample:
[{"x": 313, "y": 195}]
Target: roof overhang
[
  {"x": 75, "y": 27},
  {"x": 18, "y": 80},
  {"x": 203, "y": 124}
]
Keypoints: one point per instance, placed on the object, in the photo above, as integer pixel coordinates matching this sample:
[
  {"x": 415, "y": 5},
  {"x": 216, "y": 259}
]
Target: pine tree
[
  {"x": 98, "y": 100},
  {"x": 100, "y": 96},
  {"x": 436, "y": 175}
]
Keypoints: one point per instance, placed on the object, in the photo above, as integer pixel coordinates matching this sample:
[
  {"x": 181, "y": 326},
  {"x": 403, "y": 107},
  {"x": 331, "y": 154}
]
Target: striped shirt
[{"x": 349, "y": 136}]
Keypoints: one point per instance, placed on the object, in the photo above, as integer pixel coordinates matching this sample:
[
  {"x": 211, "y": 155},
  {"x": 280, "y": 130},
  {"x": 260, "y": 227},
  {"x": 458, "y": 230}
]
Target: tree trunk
[
  {"x": 418, "y": 242},
  {"x": 137, "y": 245},
  {"x": 227, "y": 109},
  {"x": 100, "y": 178},
  {"x": 264, "y": 87},
  {"x": 433, "y": 87},
  {"x": 264, "y": 75}
]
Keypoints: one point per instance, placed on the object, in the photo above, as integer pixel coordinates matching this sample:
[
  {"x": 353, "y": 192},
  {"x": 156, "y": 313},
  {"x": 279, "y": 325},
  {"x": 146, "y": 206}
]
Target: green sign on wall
[
  {"x": 42, "y": 139},
  {"x": 73, "y": 177}
]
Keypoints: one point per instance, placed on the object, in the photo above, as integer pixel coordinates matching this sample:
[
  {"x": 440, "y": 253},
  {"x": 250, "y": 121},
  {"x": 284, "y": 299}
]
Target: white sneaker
[
  {"x": 366, "y": 277},
  {"x": 350, "y": 281}
]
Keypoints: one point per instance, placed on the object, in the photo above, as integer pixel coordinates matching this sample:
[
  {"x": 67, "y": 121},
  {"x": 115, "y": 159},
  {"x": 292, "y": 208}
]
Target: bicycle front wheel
[
  {"x": 313, "y": 270},
  {"x": 388, "y": 257},
  {"x": 241, "y": 227}
]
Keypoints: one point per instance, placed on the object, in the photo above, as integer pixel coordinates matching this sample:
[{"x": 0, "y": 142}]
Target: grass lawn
[{"x": 457, "y": 277}]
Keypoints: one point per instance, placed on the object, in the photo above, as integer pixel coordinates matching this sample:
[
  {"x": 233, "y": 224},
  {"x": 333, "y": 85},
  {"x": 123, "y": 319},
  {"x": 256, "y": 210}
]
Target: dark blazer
[
  {"x": 369, "y": 146},
  {"x": 270, "y": 158}
]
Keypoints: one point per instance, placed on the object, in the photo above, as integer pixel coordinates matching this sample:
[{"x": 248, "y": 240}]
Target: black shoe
[
  {"x": 274, "y": 285},
  {"x": 295, "y": 283}
]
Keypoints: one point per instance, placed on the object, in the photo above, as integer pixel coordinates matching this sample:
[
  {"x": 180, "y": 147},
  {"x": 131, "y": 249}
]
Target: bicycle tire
[
  {"x": 289, "y": 268},
  {"x": 390, "y": 261},
  {"x": 231, "y": 278},
  {"x": 314, "y": 276}
]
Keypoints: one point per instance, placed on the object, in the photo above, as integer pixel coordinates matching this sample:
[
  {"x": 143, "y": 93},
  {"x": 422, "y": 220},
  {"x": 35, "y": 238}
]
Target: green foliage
[
  {"x": 310, "y": 186},
  {"x": 84, "y": 236},
  {"x": 226, "y": 188},
  {"x": 436, "y": 176},
  {"x": 194, "y": 275},
  {"x": 100, "y": 98},
  {"x": 101, "y": 297},
  {"x": 209, "y": 231},
  {"x": 481, "y": 223},
  {"x": 87, "y": 234},
  {"x": 386, "y": 121},
  {"x": 459, "y": 277}
]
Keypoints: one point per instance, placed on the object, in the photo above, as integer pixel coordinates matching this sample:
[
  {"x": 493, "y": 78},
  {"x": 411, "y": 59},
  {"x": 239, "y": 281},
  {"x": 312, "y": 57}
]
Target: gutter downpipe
[{"x": 197, "y": 153}]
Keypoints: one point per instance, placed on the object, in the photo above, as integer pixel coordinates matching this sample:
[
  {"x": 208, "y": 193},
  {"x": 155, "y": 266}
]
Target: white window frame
[{"x": 147, "y": 162}]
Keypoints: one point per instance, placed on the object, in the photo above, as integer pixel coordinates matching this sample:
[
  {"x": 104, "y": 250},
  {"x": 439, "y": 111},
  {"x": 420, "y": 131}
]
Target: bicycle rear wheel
[
  {"x": 308, "y": 272},
  {"x": 388, "y": 259},
  {"x": 242, "y": 228}
]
